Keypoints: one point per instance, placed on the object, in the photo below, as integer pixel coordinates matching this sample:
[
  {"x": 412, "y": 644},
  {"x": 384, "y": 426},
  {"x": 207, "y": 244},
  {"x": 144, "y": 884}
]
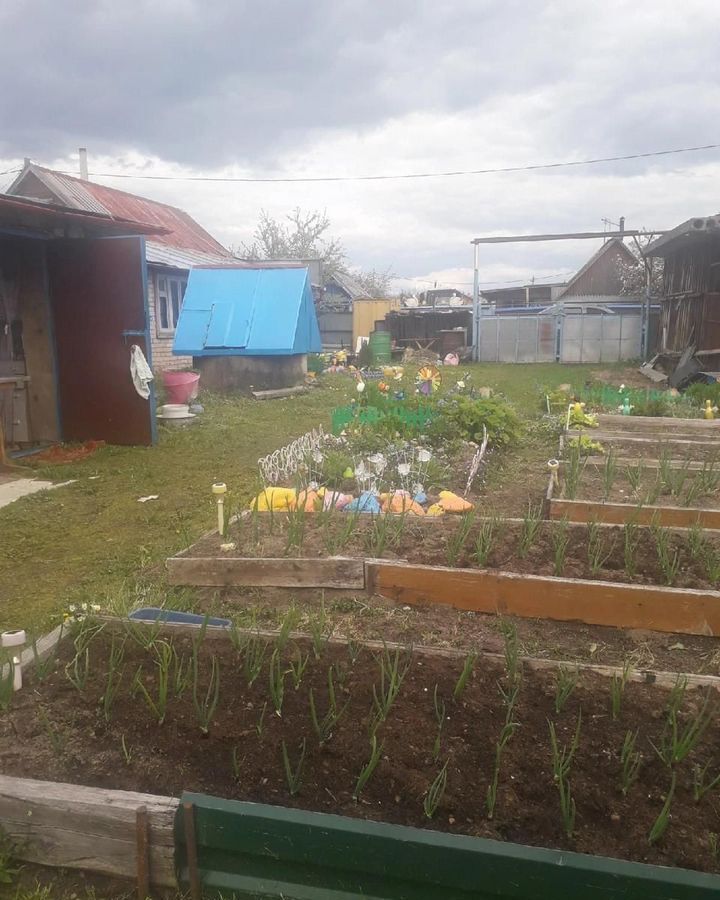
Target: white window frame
[{"x": 165, "y": 309}]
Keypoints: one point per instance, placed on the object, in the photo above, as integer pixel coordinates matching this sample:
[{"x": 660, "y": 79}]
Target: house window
[{"x": 169, "y": 293}]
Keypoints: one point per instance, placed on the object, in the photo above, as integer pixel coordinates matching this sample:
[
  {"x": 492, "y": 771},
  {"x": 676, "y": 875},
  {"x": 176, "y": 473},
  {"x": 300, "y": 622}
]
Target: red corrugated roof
[{"x": 183, "y": 230}]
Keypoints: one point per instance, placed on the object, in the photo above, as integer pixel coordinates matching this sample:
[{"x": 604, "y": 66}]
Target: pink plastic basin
[{"x": 180, "y": 387}]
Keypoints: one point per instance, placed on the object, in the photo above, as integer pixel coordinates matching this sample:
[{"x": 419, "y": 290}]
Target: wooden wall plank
[
  {"x": 619, "y": 513},
  {"x": 559, "y": 599},
  {"x": 76, "y": 827},
  {"x": 342, "y": 573}
]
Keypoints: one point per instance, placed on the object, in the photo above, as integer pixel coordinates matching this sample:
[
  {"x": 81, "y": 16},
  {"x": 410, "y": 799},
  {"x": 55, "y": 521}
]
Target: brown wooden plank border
[
  {"x": 684, "y": 439},
  {"x": 559, "y": 599},
  {"x": 75, "y": 827},
  {"x": 341, "y": 573},
  {"x": 652, "y": 424},
  {"x": 620, "y": 513}
]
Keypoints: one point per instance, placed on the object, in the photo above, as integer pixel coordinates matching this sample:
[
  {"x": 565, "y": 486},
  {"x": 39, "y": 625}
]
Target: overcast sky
[{"x": 343, "y": 87}]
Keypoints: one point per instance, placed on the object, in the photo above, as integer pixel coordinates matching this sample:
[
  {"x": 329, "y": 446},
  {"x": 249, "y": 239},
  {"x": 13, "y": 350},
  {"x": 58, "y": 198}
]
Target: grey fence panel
[
  {"x": 572, "y": 342},
  {"x": 489, "y": 329},
  {"x": 583, "y": 339}
]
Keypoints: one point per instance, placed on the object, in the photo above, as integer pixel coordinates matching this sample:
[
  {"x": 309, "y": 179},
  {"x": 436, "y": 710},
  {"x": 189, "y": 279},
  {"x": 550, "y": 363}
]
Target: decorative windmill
[{"x": 428, "y": 380}]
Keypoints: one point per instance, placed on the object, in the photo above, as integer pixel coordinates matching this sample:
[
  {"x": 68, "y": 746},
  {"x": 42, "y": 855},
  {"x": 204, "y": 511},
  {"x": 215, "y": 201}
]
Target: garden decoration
[
  {"x": 274, "y": 498},
  {"x": 219, "y": 490},
  {"x": 452, "y": 503},
  {"x": 710, "y": 410},
  {"x": 553, "y": 466},
  {"x": 428, "y": 380},
  {"x": 13, "y": 641},
  {"x": 299, "y": 457},
  {"x": 367, "y": 502},
  {"x": 626, "y": 407}
]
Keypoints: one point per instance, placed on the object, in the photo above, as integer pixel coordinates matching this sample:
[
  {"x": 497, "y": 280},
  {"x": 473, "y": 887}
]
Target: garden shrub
[
  {"x": 464, "y": 417},
  {"x": 699, "y": 393}
]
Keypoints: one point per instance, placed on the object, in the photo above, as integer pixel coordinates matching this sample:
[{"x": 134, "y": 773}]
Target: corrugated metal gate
[{"x": 561, "y": 338}]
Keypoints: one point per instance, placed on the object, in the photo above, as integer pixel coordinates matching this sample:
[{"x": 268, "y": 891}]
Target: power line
[{"x": 412, "y": 175}]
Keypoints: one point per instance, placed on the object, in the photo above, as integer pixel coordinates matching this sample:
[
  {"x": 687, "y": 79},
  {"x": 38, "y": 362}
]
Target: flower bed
[{"x": 452, "y": 744}]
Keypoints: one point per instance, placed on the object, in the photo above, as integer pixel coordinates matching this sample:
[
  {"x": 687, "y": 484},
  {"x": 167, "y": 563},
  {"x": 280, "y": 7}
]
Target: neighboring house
[
  {"x": 341, "y": 291},
  {"x": 523, "y": 295},
  {"x": 444, "y": 297},
  {"x": 169, "y": 256},
  {"x": 691, "y": 288},
  {"x": 600, "y": 276}
]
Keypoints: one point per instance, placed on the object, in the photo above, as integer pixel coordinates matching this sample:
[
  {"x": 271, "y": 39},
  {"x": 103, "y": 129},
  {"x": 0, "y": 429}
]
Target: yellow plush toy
[
  {"x": 275, "y": 498},
  {"x": 452, "y": 503}
]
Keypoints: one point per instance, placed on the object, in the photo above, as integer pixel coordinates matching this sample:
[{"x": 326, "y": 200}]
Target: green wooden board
[{"x": 253, "y": 850}]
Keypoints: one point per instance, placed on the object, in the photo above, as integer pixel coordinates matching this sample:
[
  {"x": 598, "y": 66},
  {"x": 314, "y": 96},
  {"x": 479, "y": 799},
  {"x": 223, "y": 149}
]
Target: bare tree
[
  {"x": 304, "y": 237},
  {"x": 633, "y": 274},
  {"x": 377, "y": 284}
]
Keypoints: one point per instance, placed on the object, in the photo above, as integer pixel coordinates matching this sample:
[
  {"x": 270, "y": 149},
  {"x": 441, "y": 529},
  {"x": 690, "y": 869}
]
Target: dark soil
[
  {"x": 378, "y": 618},
  {"x": 431, "y": 542},
  {"x": 688, "y": 489},
  {"x": 692, "y": 450},
  {"x": 53, "y": 731}
]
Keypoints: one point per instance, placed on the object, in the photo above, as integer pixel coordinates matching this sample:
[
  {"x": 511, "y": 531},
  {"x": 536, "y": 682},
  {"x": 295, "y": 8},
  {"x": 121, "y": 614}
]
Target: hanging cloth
[{"x": 140, "y": 372}]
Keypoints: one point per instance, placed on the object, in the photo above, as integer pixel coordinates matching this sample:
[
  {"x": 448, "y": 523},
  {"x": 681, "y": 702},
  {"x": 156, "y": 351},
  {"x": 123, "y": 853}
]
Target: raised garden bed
[
  {"x": 615, "y": 490},
  {"x": 54, "y": 730},
  {"x": 651, "y": 437},
  {"x": 564, "y": 573}
]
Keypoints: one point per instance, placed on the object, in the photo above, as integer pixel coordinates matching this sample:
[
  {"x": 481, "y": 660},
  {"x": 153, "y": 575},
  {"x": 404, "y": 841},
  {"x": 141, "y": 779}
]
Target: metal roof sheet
[
  {"x": 247, "y": 312},
  {"x": 53, "y": 220},
  {"x": 182, "y": 230},
  {"x": 179, "y": 258},
  {"x": 350, "y": 285}
]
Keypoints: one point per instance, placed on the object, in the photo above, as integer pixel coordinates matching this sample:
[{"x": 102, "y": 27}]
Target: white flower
[
  {"x": 424, "y": 455},
  {"x": 360, "y": 387},
  {"x": 95, "y": 607},
  {"x": 461, "y": 384},
  {"x": 403, "y": 469},
  {"x": 379, "y": 461},
  {"x": 317, "y": 456}
]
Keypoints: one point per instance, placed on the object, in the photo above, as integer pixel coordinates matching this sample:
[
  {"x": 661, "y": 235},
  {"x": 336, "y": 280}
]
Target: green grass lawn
[{"x": 92, "y": 541}]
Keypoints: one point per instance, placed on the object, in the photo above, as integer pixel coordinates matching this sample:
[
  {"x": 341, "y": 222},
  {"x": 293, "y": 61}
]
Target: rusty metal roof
[
  {"x": 39, "y": 217},
  {"x": 182, "y": 230}
]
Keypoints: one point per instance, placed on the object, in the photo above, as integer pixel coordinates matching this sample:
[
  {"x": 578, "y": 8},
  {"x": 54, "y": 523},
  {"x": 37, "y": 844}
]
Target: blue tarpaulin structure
[{"x": 247, "y": 312}]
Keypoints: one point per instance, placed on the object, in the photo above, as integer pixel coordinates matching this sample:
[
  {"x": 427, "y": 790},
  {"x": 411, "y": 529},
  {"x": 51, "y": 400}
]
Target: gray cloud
[
  {"x": 360, "y": 86},
  {"x": 210, "y": 83}
]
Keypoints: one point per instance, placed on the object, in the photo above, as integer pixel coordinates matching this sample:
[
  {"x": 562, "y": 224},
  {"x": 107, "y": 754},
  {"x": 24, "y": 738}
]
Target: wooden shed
[
  {"x": 72, "y": 303},
  {"x": 691, "y": 287}
]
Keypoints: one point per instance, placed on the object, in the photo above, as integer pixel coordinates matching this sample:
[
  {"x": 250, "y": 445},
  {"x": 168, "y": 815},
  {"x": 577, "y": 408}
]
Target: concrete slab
[{"x": 10, "y": 491}]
